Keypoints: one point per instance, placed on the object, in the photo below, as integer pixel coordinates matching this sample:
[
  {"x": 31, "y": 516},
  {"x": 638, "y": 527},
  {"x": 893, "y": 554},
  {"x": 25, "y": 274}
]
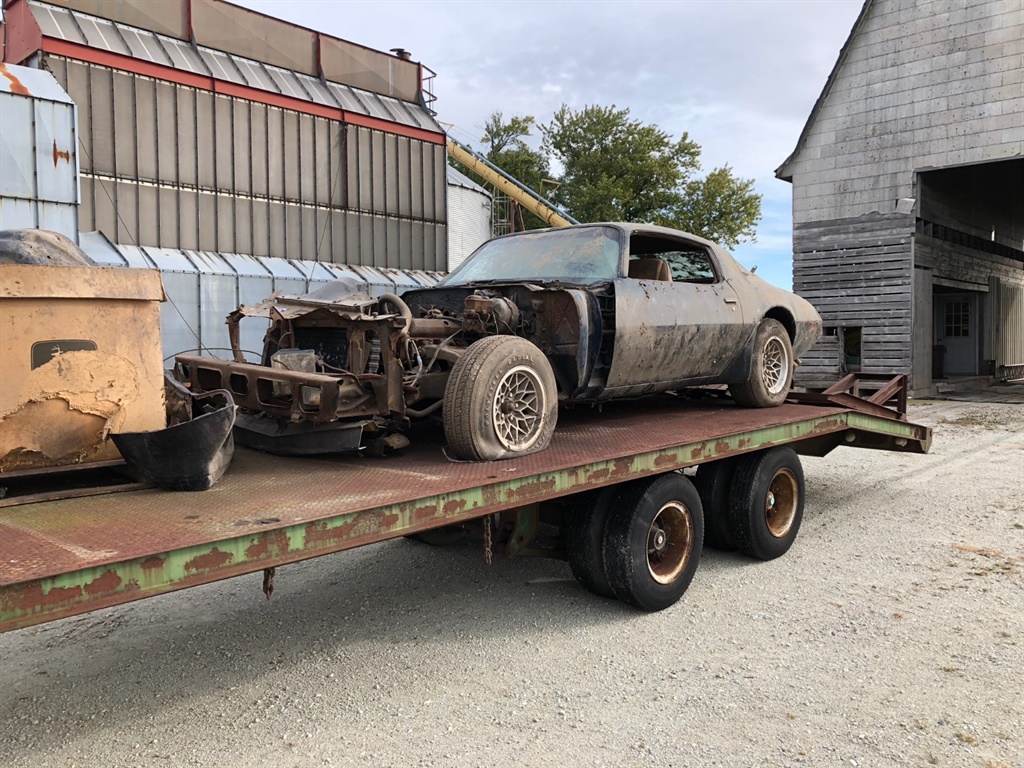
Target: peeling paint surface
[
  {"x": 66, "y": 410},
  {"x": 58, "y": 405}
]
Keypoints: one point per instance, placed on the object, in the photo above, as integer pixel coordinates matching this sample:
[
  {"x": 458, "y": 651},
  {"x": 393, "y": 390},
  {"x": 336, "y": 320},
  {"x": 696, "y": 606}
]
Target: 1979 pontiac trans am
[{"x": 583, "y": 314}]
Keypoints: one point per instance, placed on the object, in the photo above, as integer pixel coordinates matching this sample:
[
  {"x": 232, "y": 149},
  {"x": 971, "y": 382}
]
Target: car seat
[{"x": 650, "y": 269}]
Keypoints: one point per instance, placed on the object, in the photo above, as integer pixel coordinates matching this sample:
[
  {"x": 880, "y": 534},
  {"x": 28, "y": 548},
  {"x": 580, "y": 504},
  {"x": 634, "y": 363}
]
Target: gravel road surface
[{"x": 892, "y": 634}]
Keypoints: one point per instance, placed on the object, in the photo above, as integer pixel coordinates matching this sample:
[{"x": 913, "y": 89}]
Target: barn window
[{"x": 958, "y": 319}]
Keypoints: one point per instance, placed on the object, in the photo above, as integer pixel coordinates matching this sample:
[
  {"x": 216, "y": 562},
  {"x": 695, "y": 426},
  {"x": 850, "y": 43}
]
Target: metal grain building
[
  {"x": 908, "y": 195},
  {"x": 208, "y": 127},
  {"x": 469, "y": 217},
  {"x": 38, "y": 153}
]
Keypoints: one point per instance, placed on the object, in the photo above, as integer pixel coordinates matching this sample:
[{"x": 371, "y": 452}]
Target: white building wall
[
  {"x": 469, "y": 222},
  {"x": 924, "y": 85}
]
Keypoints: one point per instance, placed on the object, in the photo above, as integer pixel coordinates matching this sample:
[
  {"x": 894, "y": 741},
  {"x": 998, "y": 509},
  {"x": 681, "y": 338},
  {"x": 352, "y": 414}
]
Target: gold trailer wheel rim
[
  {"x": 781, "y": 502},
  {"x": 669, "y": 542}
]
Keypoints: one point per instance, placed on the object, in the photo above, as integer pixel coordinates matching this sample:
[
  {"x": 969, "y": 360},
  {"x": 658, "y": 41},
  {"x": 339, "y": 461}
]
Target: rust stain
[
  {"x": 212, "y": 559},
  {"x": 454, "y": 506},
  {"x": 319, "y": 534},
  {"x": 60, "y": 154},
  {"x": 16, "y": 84},
  {"x": 428, "y": 512},
  {"x": 622, "y": 468},
  {"x": 665, "y": 460},
  {"x": 152, "y": 563},
  {"x": 272, "y": 542},
  {"x": 722, "y": 447},
  {"x": 743, "y": 443},
  {"x": 108, "y": 582},
  {"x": 530, "y": 490},
  {"x": 32, "y": 597},
  {"x": 387, "y": 522},
  {"x": 697, "y": 452},
  {"x": 830, "y": 425},
  {"x": 599, "y": 474}
]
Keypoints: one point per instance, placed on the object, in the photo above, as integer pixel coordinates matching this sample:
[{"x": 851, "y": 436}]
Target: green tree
[
  {"x": 506, "y": 147},
  {"x": 720, "y": 208},
  {"x": 619, "y": 169}
]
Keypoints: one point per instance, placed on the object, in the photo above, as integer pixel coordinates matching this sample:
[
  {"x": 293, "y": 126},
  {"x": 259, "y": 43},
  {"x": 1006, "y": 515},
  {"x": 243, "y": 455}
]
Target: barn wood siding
[
  {"x": 857, "y": 273},
  {"x": 964, "y": 267}
]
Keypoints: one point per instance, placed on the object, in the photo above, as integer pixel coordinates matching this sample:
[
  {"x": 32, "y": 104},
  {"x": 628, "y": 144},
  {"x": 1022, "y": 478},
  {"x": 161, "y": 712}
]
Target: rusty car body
[{"x": 583, "y": 314}]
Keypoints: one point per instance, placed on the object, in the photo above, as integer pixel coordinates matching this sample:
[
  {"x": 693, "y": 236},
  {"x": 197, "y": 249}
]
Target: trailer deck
[{"x": 61, "y": 558}]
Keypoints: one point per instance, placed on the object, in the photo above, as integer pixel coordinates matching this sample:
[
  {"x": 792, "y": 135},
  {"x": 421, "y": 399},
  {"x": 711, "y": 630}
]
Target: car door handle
[{"x": 731, "y": 301}]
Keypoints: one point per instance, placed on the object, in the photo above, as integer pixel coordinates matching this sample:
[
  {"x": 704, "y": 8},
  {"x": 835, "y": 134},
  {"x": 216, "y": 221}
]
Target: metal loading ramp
[{"x": 61, "y": 558}]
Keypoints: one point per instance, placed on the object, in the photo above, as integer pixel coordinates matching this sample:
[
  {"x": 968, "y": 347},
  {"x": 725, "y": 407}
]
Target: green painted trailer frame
[{"x": 66, "y": 557}]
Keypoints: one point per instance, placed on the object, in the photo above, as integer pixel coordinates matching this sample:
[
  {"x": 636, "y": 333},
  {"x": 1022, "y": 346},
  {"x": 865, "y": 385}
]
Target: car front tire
[{"x": 500, "y": 401}]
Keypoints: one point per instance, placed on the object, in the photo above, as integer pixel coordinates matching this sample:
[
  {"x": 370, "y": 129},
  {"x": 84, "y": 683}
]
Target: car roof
[{"x": 628, "y": 228}]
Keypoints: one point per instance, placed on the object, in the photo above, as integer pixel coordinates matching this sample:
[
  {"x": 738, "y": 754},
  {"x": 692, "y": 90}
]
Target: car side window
[
  {"x": 683, "y": 262},
  {"x": 690, "y": 266}
]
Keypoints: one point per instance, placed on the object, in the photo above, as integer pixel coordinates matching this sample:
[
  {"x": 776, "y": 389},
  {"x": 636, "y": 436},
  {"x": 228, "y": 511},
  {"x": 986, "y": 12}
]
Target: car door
[{"x": 688, "y": 329}]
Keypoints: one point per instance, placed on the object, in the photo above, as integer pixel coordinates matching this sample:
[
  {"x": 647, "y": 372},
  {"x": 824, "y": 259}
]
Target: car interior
[{"x": 653, "y": 258}]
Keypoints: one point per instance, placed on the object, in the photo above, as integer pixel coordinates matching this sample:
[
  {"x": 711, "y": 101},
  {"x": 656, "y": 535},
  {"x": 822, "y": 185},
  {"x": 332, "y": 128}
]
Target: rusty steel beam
[{"x": 38, "y": 600}]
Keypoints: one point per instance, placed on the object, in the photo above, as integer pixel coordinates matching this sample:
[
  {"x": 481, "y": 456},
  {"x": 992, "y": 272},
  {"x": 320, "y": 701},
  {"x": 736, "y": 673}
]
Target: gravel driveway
[{"x": 892, "y": 634}]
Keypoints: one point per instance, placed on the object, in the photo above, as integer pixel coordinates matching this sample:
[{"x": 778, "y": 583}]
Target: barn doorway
[{"x": 957, "y": 333}]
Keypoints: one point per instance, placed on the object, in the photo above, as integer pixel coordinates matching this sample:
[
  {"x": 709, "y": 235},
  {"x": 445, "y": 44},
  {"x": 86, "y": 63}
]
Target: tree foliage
[
  {"x": 616, "y": 168},
  {"x": 620, "y": 169}
]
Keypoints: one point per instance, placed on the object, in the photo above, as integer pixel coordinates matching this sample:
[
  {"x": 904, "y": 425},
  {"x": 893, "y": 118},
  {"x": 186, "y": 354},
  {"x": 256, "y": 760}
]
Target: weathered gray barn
[
  {"x": 908, "y": 195},
  {"x": 204, "y": 126}
]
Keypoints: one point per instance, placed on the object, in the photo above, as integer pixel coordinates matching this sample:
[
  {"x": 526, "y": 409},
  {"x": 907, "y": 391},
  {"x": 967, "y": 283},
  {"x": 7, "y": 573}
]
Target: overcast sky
[{"x": 740, "y": 76}]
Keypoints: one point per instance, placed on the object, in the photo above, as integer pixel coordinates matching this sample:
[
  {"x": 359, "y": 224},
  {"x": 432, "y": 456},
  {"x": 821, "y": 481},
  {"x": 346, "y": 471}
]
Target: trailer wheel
[
  {"x": 653, "y": 541},
  {"x": 767, "y": 505},
  {"x": 713, "y": 482},
  {"x": 585, "y": 522},
  {"x": 771, "y": 368},
  {"x": 500, "y": 401}
]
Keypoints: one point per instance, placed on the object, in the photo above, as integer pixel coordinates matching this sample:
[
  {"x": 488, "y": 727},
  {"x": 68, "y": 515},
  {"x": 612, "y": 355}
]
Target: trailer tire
[
  {"x": 713, "y": 482},
  {"x": 500, "y": 401},
  {"x": 440, "y": 537},
  {"x": 767, "y": 505},
  {"x": 653, "y": 541},
  {"x": 585, "y": 522},
  {"x": 771, "y": 368}
]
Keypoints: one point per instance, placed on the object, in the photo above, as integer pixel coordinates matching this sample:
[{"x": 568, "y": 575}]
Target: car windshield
[{"x": 571, "y": 254}]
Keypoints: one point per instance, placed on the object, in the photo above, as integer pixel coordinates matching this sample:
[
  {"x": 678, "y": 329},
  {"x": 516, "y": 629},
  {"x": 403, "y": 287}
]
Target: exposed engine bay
[{"x": 342, "y": 370}]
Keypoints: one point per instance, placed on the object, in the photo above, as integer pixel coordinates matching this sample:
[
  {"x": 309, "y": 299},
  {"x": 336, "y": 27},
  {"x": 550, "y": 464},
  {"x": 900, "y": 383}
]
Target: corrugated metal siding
[
  {"x": 85, "y": 29},
  {"x": 469, "y": 222},
  {"x": 203, "y": 288},
  {"x": 1010, "y": 351},
  {"x": 38, "y": 153},
  {"x": 172, "y": 166}
]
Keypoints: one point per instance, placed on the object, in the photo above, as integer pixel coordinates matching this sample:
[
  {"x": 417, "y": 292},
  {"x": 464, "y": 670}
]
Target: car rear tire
[
  {"x": 771, "y": 368},
  {"x": 500, "y": 401},
  {"x": 653, "y": 541},
  {"x": 713, "y": 482},
  {"x": 585, "y": 522},
  {"x": 767, "y": 504}
]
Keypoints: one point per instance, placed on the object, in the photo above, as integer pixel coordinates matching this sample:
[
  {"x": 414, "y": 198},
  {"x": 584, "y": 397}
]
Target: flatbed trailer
[{"x": 64, "y": 557}]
